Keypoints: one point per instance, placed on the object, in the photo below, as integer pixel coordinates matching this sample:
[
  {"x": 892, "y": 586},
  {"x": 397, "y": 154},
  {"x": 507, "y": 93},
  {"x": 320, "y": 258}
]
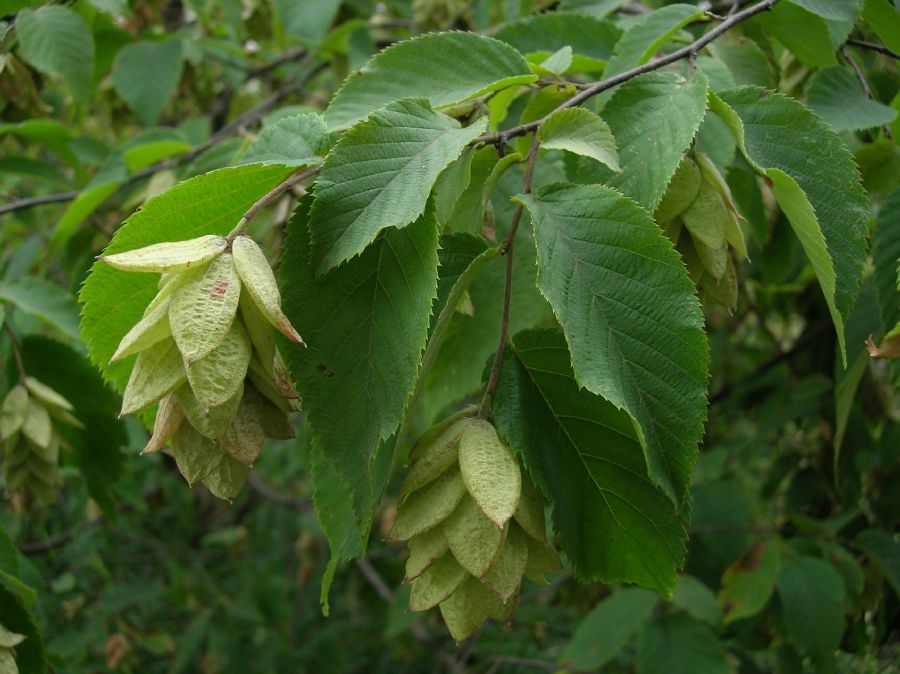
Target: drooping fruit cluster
[
  {"x": 8, "y": 641},
  {"x": 475, "y": 526},
  {"x": 31, "y": 441},
  {"x": 700, "y": 216},
  {"x": 207, "y": 355}
]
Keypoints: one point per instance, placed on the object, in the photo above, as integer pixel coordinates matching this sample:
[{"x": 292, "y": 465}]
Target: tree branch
[
  {"x": 500, "y": 137},
  {"x": 268, "y": 198},
  {"x": 249, "y": 118},
  {"x": 873, "y": 46}
]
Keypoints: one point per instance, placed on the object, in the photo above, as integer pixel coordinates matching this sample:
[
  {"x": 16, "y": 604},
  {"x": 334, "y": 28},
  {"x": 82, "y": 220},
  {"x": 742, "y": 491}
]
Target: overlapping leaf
[
  {"x": 614, "y": 524},
  {"x": 444, "y": 68},
  {"x": 630, "y": 316},
  {"x": 146, "y": 74},
  {"x": 365, "y": 325},
  {"x": 379, "y": 175},
  {"x": 816, "y": 182},
  {"x": 836, "y": 94}
]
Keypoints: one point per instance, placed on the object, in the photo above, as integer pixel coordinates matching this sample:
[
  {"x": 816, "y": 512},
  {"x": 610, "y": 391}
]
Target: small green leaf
[
  {"x": 749, "y": 582},
  {"x": 48, "y": 302},
  {"x": 379, "y": 175},
  {"x": 678, "y": 643},
  {"x": 298, "y": 140},
  {"x": 146, "y": 74},
  {"x": 580, "y": 131},
  {"x": 57, "y": 41},
  {"x": 444, "y": 68},
  {"x": 812, "y": 602}
]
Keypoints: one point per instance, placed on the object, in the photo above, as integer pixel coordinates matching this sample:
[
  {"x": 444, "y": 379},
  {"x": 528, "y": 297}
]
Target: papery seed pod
[
  {"x": 216, "y": 377},
  {"x": 259, "y": 331},
  {"x": 433, "y": 460},
  {"x": 47, "y": 395},
  {"x": 733, "y": 232},
  {"x": 469, "y": 606},
  {"x": 705, "y": 217},
  {"x": 681, "y": 192},
  {"x": 195, "y": 455},
  {"x": 227, "y": 478},
  {"x": 436, "y": 584},
  {"x": 9, "y": 639},
  {"x": 276, "y": 423},
  {"x": 168, "y": 256},
  {"x": 157, "y": 372},
  {"x": 542, "y": 559},
  {"x": 530, "y": 513},
  {"x": 505, "y": 574},
  {"x": 424, "y": 550},
  {"x": 258, "y": 279},
  {"x": 490, "y": 471},
  {"x": 13, "y": 411},
  {"x": 211, "y": 422},
  {"x": 265, "y": 384},
  {"x": 203, "y": 309},
  {"x": 473, "y": 538},
  {"x": 244, "y": 438},
  {"x": 151, "y": 329},
  {"x": 37, "y": 426},
  {"x": 429, "y": 506},
  {"x": 428, "y": 437},
  {"x": 169, "y": 416}
]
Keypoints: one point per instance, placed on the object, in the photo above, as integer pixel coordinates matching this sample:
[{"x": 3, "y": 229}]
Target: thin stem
[
  {"x": 500, "y": 137},
  {"x": 861, "y": 76},
  {"x": 268, "y": 198},
  {"x": 508, "y": 249},
  {"x": 874, "y": 46},
  {"x": 14, "y": 345}
]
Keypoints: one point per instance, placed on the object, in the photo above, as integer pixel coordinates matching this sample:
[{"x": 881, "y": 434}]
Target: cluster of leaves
[{"x": 694, "y": 213}]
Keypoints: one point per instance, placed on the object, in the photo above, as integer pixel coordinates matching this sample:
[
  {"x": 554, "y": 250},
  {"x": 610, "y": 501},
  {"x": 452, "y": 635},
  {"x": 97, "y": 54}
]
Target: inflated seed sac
[
  {"x": 681, "y": 192},
  {"x": 37, "y": 425},
  {"x": 436, "y": 584},
  {"x": 157, "y": 372},
  {"x": 168, "y": 256},
  {"x": 530, "y": 513},
  {"x": 47, "y": 395},
  {"x": 169, "y": 416},
  {"x": 433, "y": 460},
  {"x": 243, "y": 439},
  {"x": 218, "y": 375},
  {"x": 424, "y": 550},
  {"x": 705, "y": 218},
  {"x": 13, "y": 411},
  {"x": 260, "y": 332},
  {"x": 428, "y": 507},
  {"x": 542, "y": 559},
  {"x": 474, "y": 540},
  {"x": 469, "y": 606},
  {"x": 258, "y": 279},
  {"x": 211, "y": 422},
  {"x": 733, "y": 232},
  {"x": 202, "y": 310},
  {"x": 505, "y": 575},
  {"x": 151, "y": 329},
  {"x": 489, "y": 471},
  {"x": 265, "y": 384},
  {"x": 195, "y": 455},
  {"x": 227, "y": 478}
]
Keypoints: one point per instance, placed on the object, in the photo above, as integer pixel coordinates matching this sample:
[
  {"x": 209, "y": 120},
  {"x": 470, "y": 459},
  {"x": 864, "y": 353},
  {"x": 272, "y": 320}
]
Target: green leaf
[
  {"x": 591, "y": 39},
  {"x": 31, "y": 657},
  {"x": 631, "y": 319},
  {"x": 884, "y": 551},
  {"x": 379, "y": 175},
  {"x": 812, "y": 601},
  {"x": 445, "y": 68},
  {"x": 57, "y": 41},
  {"x": 678, "y": 643},
  {"x": 694, "y": 597},
  {"x": 836, "y": 94},
  {"x": 307, "y": 21},
  {"x": 747, "y": 62},
  {"x": 365, "y": 326},
  {"x": 9, "y": 555},
  {"x": 654, "y": 119},
  {"x": 804, "y": 34},
  {"x": 885, "y": 253},
  {"x": 146, "y": 74},
  {"x": 46, "y": 301},
  {"x": 297, "y": 140},
  {"x": 614, "y": 524},
  {"x": 208, "y": 204},
  {"x": 608, "y": 628},
  {"x": 884, "y": 19},
  {"x": 837, "y": 10},
  {"x": 816, "y": 181},
  {"x": 749, "y": 582},
  {"x": 648, "y": 35},
  {"x": 77, "y": 211},
  {"x": 580, "y": 131}
]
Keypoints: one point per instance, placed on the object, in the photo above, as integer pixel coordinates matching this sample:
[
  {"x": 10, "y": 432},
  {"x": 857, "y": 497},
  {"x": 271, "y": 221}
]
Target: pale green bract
[
  {"x": 379, "y": 175},
  {"x": 632, "y": 321},
  {"x": 444, "y": 68}
]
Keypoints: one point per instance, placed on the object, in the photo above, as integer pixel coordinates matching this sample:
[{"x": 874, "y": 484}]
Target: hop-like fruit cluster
[
  {"x": 31, "y": 440},
  {"x": 206, "y": 353},
  {"x": 8, "y": 641},
  {"x": 700, "y": 216},
  {"x": 475, "y": 526}
]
